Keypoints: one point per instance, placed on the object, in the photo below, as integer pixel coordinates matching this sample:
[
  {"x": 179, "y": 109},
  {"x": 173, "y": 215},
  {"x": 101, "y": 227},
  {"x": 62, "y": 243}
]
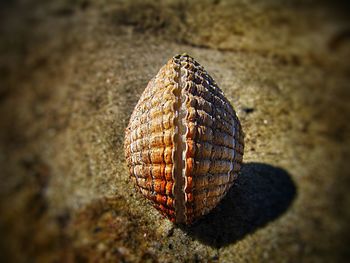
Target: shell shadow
[{"x": 262, "y": 193}]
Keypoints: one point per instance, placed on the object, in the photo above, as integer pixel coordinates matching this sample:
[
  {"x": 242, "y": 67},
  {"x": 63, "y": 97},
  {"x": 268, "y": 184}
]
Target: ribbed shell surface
[{"x": 184, "y": 143}]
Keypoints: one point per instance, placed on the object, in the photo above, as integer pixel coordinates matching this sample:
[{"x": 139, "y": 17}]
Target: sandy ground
[{"x": 71, "y": 73}]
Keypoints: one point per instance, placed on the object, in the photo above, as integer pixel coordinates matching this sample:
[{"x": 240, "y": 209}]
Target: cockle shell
[{"x": 184, "y": 143}]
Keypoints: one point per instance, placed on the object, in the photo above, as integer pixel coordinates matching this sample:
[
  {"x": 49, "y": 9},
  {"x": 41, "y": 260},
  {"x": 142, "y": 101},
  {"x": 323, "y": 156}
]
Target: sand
[{"x": 71, "y": 74}]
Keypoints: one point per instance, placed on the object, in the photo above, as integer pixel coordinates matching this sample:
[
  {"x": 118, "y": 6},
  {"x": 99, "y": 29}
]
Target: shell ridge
[
  {"x": 130, "y": 150},
  {"x": 164, "y": 145},
  {"x": 184, "y": 154},
  {"x": 146, "y": 99},
  {"x": 212, "y": 87},
  {"x": 185, "y": 113},
  {"x": 173, "y": 157},
  {"x": 149, "y": 144}
]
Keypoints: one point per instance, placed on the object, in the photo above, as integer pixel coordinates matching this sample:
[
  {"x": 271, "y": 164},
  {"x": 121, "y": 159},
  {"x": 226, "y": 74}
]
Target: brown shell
[{"x": 184, "y": 142}]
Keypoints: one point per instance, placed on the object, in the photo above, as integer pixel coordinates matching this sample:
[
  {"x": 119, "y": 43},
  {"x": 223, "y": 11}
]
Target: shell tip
[{"x": 182, "y": 55}]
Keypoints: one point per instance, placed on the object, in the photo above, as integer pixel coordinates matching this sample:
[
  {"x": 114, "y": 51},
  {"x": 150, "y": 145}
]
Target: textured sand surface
[{"x": 71, "y": 74}]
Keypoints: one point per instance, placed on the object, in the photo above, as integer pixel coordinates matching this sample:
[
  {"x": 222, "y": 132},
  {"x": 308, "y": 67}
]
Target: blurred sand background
[{"x": 71, "y": 73}]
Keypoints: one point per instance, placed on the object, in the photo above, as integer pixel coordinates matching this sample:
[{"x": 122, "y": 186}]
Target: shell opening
[{"x": 179, "y": 156}]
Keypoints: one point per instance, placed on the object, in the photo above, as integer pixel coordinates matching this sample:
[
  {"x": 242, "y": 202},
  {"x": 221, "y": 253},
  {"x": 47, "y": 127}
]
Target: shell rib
[{"x": 184, "y": 143}]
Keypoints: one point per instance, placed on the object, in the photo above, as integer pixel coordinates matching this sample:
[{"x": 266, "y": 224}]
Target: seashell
[{"x": 184, "y": 143}]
